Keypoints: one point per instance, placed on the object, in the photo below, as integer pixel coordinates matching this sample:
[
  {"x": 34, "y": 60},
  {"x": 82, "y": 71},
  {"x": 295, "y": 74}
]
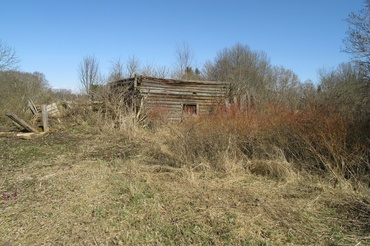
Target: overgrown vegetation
[
  {"x": 19, "y": 87},
  {"x": 253, "y": 178},
  {"x": 290, "y": 168},
  {"x": 272, "y": 173},
  {"x": 316, "y": 139}
]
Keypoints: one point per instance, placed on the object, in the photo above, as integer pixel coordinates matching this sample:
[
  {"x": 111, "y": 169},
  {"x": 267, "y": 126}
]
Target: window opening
[{"x": 190, "y": 109}]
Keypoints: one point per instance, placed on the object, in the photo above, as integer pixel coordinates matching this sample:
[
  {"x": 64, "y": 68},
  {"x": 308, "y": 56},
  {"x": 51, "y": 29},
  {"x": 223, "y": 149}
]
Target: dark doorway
[{"x": 190, "y": 109}]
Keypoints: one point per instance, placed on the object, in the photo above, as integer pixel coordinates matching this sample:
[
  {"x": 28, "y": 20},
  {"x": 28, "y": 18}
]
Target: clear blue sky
[{"x": 52, "y": 36}]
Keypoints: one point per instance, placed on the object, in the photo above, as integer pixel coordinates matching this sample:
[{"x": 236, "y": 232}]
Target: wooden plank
[
  {"x": 45, "y": 118},
  {"x": 32, "y": 107},
  {"x": 174, "y": 81},
  {"x": 184, "y": 84},
  {"x": 52, "y": 109},
  {"x": 30, "y": 135},
  {"x": 185, "y": 93},
  {"x": 182, "y": 92},
  {"x": 21, "y": 122},
  {"x": 189, "y": 88},
  {"x": 183, "y": 96},
  {"x": 174, "y": 103}
]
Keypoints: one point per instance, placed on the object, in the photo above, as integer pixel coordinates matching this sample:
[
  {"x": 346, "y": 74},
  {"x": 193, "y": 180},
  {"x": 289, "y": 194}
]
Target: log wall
[{"x": 168, "y": 96}]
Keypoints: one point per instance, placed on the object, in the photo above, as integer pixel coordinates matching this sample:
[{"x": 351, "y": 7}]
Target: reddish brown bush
[{"x": 316, "y": 138}]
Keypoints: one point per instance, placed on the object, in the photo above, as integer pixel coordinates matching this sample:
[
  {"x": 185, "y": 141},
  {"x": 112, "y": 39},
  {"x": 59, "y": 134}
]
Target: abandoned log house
[{"x": 174, "y": 99}]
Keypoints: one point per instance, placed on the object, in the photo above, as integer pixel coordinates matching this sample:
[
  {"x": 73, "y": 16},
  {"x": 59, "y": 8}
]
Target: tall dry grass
[
  {"x": 105, "y": 111},
  {"x": 271, "y": 140},
  {"x": 274, "y": 141}
]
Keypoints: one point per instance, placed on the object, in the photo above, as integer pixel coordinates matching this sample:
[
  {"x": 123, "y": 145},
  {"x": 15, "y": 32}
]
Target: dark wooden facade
[{"x": 175, "y": 99}]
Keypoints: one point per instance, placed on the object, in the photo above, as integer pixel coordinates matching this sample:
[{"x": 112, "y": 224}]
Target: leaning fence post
[
  {"x": 21, "y": 122},
  {"x": 45, "y": 118}
]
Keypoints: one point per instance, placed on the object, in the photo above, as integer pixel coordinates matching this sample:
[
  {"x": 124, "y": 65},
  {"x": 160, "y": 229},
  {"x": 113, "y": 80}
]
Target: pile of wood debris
[{"x": 41, "y": 113}]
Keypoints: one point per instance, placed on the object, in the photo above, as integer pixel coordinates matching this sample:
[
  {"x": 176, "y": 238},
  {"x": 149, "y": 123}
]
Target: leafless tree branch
[
  {"x": 357, "y": 41},
  {"x": 8, "y": 58}
]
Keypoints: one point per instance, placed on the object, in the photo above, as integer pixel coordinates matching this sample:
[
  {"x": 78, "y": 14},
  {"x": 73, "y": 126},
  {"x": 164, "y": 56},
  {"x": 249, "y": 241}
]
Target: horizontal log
[
  {"x": 174, "y": 81},
  {"x": 203, "y": 88},
  {"x": 180, "y": 84},
  {"x": 182, "y": 93},
  {"x": 167, "y": 97}
]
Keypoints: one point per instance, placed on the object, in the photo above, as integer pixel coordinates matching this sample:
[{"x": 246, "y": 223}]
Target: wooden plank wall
[{"x": 168, "y": 96}]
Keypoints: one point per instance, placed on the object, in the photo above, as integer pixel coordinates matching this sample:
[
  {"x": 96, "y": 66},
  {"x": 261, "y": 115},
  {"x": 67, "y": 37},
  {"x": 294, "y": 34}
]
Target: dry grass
[
  {"x": 315, "y": 140},
  {"x": 110, "y": 189},
  {"x": 272, "y": 177}
]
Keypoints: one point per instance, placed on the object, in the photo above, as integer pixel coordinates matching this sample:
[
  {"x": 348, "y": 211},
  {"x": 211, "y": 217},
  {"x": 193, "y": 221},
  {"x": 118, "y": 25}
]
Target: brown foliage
[{"x": 315, "y": 139}]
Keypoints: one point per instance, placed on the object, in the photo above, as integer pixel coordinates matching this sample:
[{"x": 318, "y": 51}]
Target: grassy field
[{"x": 84, "y": 186}]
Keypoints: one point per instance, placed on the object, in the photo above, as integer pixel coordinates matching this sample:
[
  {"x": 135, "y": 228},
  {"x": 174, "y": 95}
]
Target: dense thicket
[{"x": 19, "y": 87}]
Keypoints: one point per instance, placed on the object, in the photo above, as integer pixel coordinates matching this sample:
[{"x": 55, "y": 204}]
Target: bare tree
[
  {"x": 116, "y": 72},
  {"x": 150, "y": 69},
  {"x": 346, "y": 89},
  {"x": 184, "y": 58},
  {"x": 285, "y": 85},
  {"x": 357, "y": 41},
  {"x": 89, "y": 74},
  {"x": 132, "y": 66},
  {"x": 8, "y": 58},
  {"x": 246, "y": 70},
  {"x": 162, "y": 72},
  {"x": 308, "y": 92}
]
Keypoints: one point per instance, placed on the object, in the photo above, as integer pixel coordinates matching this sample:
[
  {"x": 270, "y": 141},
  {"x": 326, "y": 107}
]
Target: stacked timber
[{"x": 177, "y": 99}]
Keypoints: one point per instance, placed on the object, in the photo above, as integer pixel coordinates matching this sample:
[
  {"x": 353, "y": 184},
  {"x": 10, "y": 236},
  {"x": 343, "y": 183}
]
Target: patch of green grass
[{"x": 16, "y": 152}]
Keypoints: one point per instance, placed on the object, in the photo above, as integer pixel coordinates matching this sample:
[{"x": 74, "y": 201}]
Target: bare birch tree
[
  {"x": 89, "y": 74},
  {"x": 184, "y": 59}
]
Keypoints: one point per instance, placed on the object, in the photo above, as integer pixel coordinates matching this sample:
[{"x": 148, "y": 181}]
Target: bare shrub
[
  {"x": 328, "y": 137},
  {"x": 111, "y": 110},
  {"x": 274, "y": 142}
]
